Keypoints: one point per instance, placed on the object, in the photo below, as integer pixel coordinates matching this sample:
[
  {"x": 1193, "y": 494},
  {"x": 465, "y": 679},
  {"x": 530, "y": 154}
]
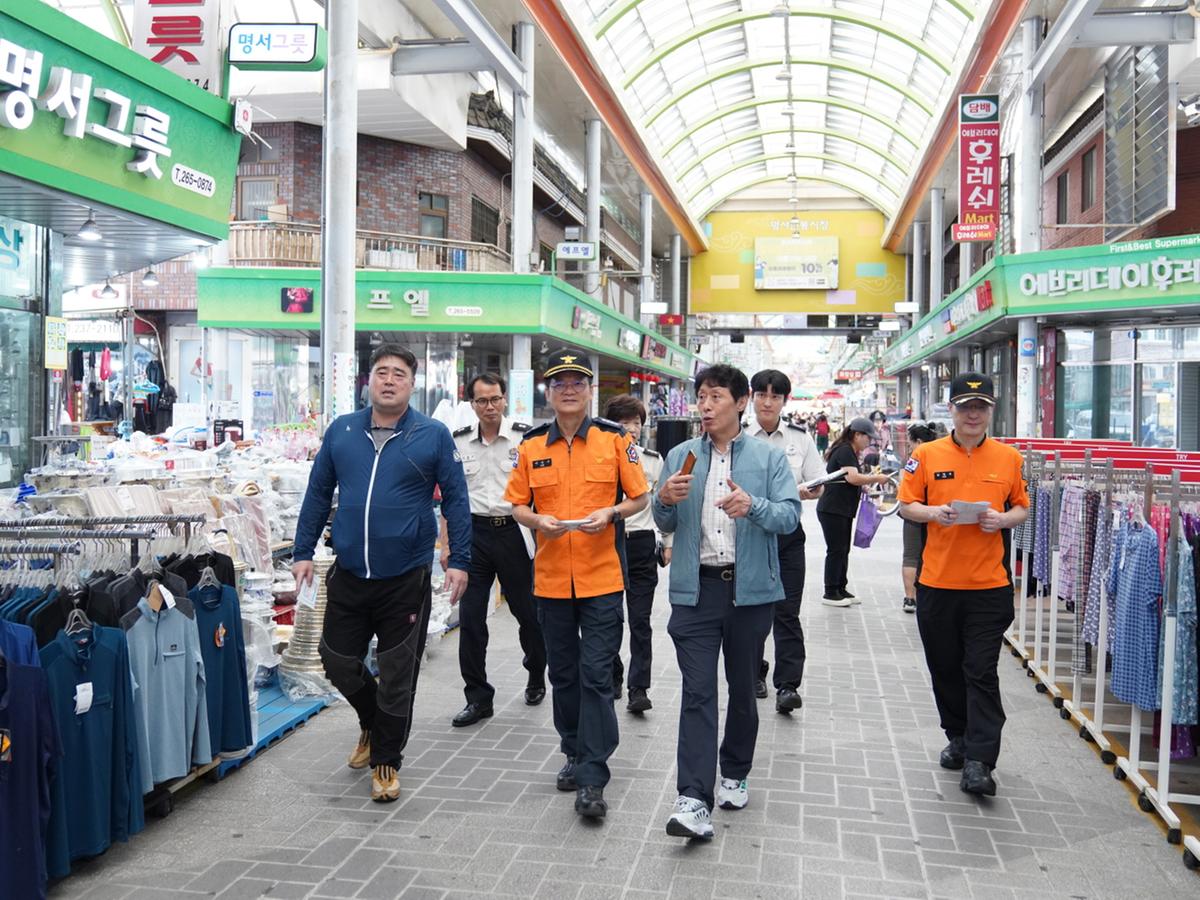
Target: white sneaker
[
  {"x": 838, "y": 601},
  {"x": 732, "y": 794},
  {"x": 690, "y": 819}
]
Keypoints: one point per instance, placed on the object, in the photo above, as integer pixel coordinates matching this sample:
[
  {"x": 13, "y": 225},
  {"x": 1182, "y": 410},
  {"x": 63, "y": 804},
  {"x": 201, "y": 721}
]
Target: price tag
[
  {"x": 83, "y": 698},
  {"x": 168, "y": 597},
  {"x": 307, "y": 596}
]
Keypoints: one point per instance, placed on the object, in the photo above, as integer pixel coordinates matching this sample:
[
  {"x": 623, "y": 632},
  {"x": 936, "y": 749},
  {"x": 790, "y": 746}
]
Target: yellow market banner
[{"x": 830, "y": 262}]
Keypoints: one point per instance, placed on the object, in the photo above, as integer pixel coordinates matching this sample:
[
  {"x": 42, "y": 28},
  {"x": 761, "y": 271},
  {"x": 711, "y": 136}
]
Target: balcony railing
[{"x": 287, "y": 244}]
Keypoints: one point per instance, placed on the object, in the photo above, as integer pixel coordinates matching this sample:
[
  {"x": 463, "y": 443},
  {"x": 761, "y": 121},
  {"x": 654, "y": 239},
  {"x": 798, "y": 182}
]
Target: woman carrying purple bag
[{"x": 839, "y": 504}]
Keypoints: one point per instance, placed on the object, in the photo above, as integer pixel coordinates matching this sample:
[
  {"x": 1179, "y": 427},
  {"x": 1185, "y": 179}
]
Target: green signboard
[
  {"x": 277, "y": 47},
  {"x": 448, "y": 302},
  {"x": 84, "y": 115}
]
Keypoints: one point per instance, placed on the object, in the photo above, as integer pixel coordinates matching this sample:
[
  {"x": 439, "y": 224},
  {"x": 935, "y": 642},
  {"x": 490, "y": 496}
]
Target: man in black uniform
[{"x": 498, "y": 549}]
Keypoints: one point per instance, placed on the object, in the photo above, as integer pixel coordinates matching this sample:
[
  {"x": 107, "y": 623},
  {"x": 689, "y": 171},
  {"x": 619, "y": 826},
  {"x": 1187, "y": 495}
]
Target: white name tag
[{"x": 83, "y": 698}]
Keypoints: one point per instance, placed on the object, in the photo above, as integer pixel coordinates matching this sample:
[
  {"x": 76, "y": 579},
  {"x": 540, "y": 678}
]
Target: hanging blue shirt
[
  {"x": 223, "y": 647},
  {"x": 1137, "y": 579},
  {"x": 18, "y": 644},
  {"x": 29, "y": 756},
  {"x": 1185, "y": 684},
  {"x": 96, "y": 798}
]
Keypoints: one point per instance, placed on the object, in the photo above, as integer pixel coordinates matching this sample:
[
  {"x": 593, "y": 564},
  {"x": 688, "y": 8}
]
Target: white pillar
[
  {"x": 592, "y": 164},
  {"x": 937, "y": 246},
  {"x": 676, "y": 281},
  {"x": 339, "y": 235},
  {"x": 647, "y": 295},
  {"x": 521, "y": 354},
  {"x": 594, "y": 365},
  {"x": 1027, "y": 378},
  {"x": 522, "y": 158},
  {"x": 1027, "y": 196},
  {"x": 965, "y": 261},
  {"x": 918, "y": 269}
]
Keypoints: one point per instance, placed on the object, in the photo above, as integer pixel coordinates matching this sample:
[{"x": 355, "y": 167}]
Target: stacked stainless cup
[{"x": 302, "y": 653}]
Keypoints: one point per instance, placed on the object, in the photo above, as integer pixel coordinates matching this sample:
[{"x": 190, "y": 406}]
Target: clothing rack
[
  {"x": 90, "y": 527},
  {"x": 1152, "y": 485}
]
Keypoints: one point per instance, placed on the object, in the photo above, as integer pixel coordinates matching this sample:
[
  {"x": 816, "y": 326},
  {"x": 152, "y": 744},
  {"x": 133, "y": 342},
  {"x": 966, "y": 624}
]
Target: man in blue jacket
[
  {"x": 385, "y": 461},
  {"x": 725, "y": 580}
]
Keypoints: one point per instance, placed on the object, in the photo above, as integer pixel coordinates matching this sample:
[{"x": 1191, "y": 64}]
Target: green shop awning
[{"x": 447, "y": 302}]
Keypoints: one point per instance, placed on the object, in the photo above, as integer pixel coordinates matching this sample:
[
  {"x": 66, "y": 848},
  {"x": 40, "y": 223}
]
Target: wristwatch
[{"x": 616, "y": 514}]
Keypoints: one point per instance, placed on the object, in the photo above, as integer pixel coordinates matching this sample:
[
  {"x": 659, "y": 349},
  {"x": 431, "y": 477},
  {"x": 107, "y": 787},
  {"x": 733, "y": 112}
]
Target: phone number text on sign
[{"x": 194, "y": 181}]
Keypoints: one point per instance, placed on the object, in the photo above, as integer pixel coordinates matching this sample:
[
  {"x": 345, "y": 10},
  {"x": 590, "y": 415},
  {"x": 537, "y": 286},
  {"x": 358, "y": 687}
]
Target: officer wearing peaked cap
[{"x": 499, "y": 549}]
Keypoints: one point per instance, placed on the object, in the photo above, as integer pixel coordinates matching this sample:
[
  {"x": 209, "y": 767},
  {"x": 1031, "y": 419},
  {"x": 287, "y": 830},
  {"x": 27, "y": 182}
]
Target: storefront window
[
  {"x": 1159, "y": 343},
  {"x": 17, "y": 331},
  {"x": 1086, "y": 345},
  {"x": 1157, "y": 411},
  {"x": 1097, "y": 402}
]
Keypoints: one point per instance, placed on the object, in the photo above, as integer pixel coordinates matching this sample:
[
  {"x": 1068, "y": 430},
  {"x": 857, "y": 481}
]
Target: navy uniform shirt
[
  {"x": 29, "y": 755},
  {"x": 223, "y": 649},
  {"x": 96, "y": 798}
]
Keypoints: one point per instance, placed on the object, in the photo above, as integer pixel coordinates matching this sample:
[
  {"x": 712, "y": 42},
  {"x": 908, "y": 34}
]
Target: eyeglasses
[
  {"x": 481, "y": 402},
  {"x": 568, "y": 387}
]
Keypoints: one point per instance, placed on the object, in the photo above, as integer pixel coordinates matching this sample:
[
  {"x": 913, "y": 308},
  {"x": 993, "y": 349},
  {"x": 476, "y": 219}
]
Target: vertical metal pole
[
  {"x": 676, "y": 281},
  {"x": 647, "y": 295},
  {"x": 594, "y": 365},
  {"x": 937, "y": 246},
  {"x": 966, "y": 261},
  {"x": 592, "y": 282},
  {"x": 522, "y": 157},
  {"x": 918, "y": 269},
  {"x": 1027, "y": 223},
  {"x": 339, "y": 234}
]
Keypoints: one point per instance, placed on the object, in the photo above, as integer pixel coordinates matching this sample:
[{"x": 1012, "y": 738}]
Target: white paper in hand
[
  {"x": 307, "y": 595},
  {"x": 968, "y": 511}
]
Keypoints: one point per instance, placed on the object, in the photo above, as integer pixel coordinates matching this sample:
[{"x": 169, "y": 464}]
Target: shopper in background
[
  {"x": 821, "y": 428},
  {"x": 965, "y": 589},
  {"x": 385, "y": 462},
  {"x": 770, "y": 391},
  {"x": 918, "y": 434},
  {"x": 575, "y": 481},
  {"x": 489, "y": 453},
  {"x": 839, "y": 504},
  {"x": 641, "y": 555},
  {"x": 726, "y": 517}
]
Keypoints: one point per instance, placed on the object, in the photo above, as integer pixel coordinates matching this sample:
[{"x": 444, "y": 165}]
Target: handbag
[{"x": 869, "y": 518}]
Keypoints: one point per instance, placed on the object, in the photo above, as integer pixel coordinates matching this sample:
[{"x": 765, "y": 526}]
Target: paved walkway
[{"x": 847, "y": 799}]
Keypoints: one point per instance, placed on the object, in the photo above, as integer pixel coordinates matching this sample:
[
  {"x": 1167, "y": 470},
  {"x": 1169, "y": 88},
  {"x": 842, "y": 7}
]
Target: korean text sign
[{"x": 978, "y": 168}]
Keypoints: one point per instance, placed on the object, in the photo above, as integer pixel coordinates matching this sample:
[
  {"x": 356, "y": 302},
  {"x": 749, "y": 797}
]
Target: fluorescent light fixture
[
  {"x": 792, "y": 179},
  {"x": 108, "y": 292},
  {"x": 907, "y": 306},
  {"x": 781, "y": 9},
  {"x": 784, "y": 73},
  {"x": 795, "y": 201},
  {"x": 789, "y": 110},
  {"x": 200, "y": 260},
  {"x": 150, "y": 280},
  {"x": 794, "y": 222},
  {"x": 89, "y": 231},
  {"x": 889, "y": 325}
]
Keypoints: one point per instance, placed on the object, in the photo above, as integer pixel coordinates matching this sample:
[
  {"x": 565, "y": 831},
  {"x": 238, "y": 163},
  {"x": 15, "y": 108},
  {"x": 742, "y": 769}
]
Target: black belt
[
  {"x": 494, "y": 521},
  {"x": 725, "y": 573}
]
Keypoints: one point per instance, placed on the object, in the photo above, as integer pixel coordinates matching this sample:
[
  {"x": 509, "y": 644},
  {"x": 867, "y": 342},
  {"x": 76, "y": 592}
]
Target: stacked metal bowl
[{"x": 302, "y": 653}]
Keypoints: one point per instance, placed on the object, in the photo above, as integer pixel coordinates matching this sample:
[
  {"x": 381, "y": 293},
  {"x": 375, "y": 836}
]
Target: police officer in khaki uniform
[
  {"x": 770, "y": 391},
  {"x": 498, "y": 549},
  {"x": 641, "y": 555}
]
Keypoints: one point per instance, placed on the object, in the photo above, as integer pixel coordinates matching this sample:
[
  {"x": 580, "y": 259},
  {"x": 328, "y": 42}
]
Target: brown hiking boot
[
  {"x": 362, "y": 753},
  {"x": 385, "y": 784}
]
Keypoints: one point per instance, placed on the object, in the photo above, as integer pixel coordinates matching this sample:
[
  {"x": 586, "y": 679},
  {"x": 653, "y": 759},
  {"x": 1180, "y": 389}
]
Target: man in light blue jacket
[{"x": 726, "y": 516}]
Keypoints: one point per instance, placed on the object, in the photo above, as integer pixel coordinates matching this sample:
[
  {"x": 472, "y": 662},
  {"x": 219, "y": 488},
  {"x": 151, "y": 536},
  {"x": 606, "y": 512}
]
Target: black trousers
[
  {"x": 838, "y": 531},
  {"x": 497, "y": 552},
  {"x": 716, "y": 626},
  {"x": 582, "y": 637},
  {"x": 639, "y": 601},
  {"x": 396, "y": 610},
  {"x": 962, "y": 632},
  {"x": 789, "y": 634}
]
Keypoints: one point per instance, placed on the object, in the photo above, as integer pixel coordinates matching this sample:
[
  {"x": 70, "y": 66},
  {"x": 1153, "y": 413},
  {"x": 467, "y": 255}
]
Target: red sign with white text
[{"x": 978, "y": 168}]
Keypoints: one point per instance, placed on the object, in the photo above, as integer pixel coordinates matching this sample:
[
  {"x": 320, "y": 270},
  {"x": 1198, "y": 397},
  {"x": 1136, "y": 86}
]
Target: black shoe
[
  {"x": 786, "y": 700},
  {"x": 617, "y": 692},
  {"x": 471, "y": 713},
  {"x": 977, "y": 778},
  {"x": 952, "y": 754},
  {"x": 910, "y": 604},
  {"x": 566, "y": 776},
  {"x": 535, "y": 695},
  {"x": 638, "y": 701},
  {"x": 589, "y": 802},
  {"x": 846, "y": 595},
  {"x": 760, "y": 689}
]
